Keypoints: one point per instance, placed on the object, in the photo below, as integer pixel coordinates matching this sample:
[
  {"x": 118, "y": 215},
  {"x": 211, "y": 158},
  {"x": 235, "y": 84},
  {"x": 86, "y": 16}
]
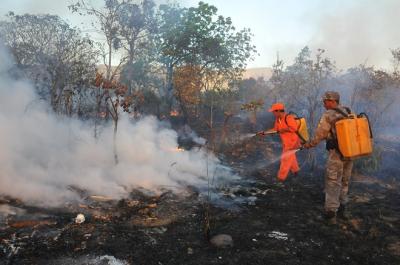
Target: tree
[
  {"x": 171, "y": 42},
  {"x": 301, "y": 84},
  {"x": 137, "y": 27},
  {"x": 116, "y": 100},
  {"x": 107, "y": 24},
  {"x": 253, "y": 107},
  {"x": 108, "y": 19},
  {"x": 128, "y": 29},
  {"x": 53, "y": 54},
  {"x": 371, "y": 91},
  {"x": 199, "y": 38},
  {"x": 207, "y": 44},
  {"x": 396, "y": 59},
  {"x": 230, "y": 106},
  {"x": 187, "y": 83}
]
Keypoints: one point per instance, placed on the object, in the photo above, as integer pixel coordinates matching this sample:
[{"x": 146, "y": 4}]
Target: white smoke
[
  {"x": 360, "y": 32},
  {"x": 42, "y": 154}
]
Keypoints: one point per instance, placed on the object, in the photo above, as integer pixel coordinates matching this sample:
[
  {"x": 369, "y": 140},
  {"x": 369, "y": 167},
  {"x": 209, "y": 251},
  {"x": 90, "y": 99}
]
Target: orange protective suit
[{"x": 290, "y": 142}]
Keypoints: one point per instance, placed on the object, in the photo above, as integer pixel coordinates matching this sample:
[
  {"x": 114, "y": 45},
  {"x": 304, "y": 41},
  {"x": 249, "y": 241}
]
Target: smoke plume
[
  {"x": 42, "y": 155},
  {"x": 362, "y": 33}
]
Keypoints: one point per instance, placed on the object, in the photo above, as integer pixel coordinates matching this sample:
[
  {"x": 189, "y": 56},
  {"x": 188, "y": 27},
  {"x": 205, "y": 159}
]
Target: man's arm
[{"x": 321, "y": 133}]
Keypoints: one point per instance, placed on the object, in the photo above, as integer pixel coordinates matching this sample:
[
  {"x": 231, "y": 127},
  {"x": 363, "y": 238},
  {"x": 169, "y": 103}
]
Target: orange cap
[{"x": 277, "y": 106}]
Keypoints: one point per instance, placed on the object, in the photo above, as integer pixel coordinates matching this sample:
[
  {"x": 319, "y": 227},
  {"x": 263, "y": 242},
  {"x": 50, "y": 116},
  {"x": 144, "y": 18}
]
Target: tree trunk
[
  {"x": 170, "y": 87},
  {"x": 115, "y": 141},
  {"x": 96, "y": 116},
  {"x": 224, "y": 132},
  {"x": 53, "y": 95},
  {"x": 211, "y": 125},
  {"x": 109, "y": 61}
]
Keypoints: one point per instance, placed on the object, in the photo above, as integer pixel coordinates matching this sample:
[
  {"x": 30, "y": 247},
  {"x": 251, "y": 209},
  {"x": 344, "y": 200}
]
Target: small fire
[
  {"x": 102, "y": 114},
  {"x": 178, "y": 149},
  {"x": 174, "y": 113}
]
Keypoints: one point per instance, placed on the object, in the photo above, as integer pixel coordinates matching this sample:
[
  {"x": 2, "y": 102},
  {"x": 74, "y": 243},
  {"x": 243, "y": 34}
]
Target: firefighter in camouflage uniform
[{"x": 338, "y": 169}]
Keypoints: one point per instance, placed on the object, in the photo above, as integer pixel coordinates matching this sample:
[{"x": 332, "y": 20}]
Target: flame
[
  {"x": 174, "y": 113},
  {"x": 177, "y": 149},
  {"x": 102, "y": 114},
  {"x": 173, "y": 149}
]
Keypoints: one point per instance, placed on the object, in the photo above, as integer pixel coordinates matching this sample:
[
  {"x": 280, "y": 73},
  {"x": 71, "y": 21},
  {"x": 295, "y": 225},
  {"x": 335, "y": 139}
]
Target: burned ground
[{"x": 269, "y": 223}]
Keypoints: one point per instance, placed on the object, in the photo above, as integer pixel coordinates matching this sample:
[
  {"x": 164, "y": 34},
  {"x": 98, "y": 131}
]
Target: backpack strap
[
  {"x": 335, "y": 143},
  {"x": 342, "y": 112},
  {"x": 291, "y": 113},
  {"x": 296, "y": 117},
  {"x": 363, "y": 114}
]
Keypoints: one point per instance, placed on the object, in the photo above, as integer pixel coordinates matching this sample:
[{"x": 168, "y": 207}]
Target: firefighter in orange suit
[{"x": 286, "y": 126}]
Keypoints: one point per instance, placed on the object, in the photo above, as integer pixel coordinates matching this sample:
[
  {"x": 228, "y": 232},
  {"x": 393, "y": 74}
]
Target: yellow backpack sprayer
[
  {"x": 302, "y": 130},
  {"x": 354, "y": 135}
]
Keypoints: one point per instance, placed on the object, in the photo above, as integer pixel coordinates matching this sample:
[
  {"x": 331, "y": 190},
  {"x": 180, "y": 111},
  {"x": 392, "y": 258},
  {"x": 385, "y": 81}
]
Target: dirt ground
[{"x": 269, "y": 224}]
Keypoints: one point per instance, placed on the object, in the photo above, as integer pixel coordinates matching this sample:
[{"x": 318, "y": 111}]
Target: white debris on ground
[
  {"x": 112, "y": 260},
  {"x": 80, "y": 218},
  {"x": 278, "y": 235},
  {"x": 90, "y": 260}
]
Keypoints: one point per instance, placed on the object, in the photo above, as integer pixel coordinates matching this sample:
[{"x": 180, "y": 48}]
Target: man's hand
[{"x": 307, "y": 146}]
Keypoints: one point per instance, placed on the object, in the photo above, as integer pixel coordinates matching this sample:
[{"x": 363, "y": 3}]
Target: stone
[{"x": 222, "y": 241}]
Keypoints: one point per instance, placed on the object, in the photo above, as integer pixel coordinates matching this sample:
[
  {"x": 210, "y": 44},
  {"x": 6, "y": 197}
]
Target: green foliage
[{"x": 199, "y": 37}]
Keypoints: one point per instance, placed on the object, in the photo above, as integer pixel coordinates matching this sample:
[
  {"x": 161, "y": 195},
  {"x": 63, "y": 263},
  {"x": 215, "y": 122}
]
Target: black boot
[
  {"x": 330, "y": 217},
  {"x": 293, "y": 178},
  {"x": 343, "y": 212}
]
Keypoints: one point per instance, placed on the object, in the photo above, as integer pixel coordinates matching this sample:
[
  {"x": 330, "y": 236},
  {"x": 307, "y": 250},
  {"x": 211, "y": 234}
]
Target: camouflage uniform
[{"x": 338, "y": 170}]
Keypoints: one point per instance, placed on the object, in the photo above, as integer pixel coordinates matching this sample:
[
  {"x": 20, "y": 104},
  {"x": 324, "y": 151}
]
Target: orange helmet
[{"x": 277, "y": 106}]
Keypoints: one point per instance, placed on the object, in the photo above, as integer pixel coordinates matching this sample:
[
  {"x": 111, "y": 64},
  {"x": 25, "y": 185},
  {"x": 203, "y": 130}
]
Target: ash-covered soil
[{"x": 269, "y": 224}]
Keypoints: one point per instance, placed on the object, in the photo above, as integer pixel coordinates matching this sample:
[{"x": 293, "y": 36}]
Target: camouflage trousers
[{"x": 337, "y": 178}]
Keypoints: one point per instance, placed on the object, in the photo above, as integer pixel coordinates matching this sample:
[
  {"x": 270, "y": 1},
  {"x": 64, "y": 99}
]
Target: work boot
[
  {"x": 295, "y": 177},
  {"x": 279, "y": 184},
  {"x": 343, "y": 212},
  {"x": 330, "y": 217}
]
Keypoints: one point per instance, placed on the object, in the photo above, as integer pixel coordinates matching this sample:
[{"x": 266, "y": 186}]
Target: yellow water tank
[
  {"x": 302, "y": 130},
  {"x": 354, "y": 136}
]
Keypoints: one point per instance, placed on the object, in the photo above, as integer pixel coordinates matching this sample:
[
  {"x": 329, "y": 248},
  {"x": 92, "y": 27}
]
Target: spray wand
[{"x": 264, "y": 133}]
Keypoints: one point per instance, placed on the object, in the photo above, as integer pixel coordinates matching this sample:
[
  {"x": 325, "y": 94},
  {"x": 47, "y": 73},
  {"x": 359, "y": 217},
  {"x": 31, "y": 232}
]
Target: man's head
[
  {"x": 278, "y": 109},
  {"x": 331, "y": 99}
]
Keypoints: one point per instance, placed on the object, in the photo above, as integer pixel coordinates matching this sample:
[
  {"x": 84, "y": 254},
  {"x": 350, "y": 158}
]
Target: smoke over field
[{"x": 42, "y": 155}]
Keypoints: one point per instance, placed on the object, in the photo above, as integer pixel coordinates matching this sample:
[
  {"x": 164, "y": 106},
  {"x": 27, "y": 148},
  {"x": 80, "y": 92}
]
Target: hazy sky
[{"x": 352, "y": 31}]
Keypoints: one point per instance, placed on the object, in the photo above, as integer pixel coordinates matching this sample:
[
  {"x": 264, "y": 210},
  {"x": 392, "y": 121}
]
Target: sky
[{"x": 352, "y": 32}]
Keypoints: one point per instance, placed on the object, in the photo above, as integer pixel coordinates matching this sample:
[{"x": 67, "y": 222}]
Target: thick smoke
[
  {"x": 42, "y": 155},
  {"x": 359, "y": 33}
]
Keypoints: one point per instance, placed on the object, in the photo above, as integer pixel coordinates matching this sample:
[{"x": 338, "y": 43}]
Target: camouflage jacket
[{"x": 326, "y": 126}]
